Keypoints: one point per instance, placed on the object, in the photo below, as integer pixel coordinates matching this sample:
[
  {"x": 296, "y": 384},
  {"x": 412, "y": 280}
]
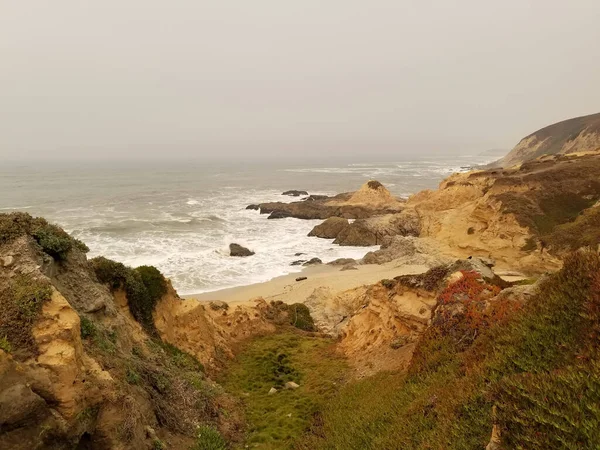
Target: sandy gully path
[{"x": 288, "y": 290}]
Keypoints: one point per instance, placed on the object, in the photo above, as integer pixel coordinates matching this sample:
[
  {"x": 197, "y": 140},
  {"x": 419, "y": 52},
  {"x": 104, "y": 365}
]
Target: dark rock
[
  {"x": 330, "y": 229},
  {"x": 294, "y": 193},
  {"x": 301, "y": 278},
  {"x": 20, "y": 406},
  {"x": 278, "y": 214},
  {"x": 349, "y": 267},
  {"x": 341, "y": 262},
  {"x": 219, "y": 304},
  {"x": 238, "y": 250},
  {"x": 358, "y": 234},
  {"x": 298, "y": 262},
  {"x": 325, "y": 207},
  {"x": 312, "y": 198},
  {"x": 299, "y": 254},
  {"x": 313, "y": 262},
  {"x": 253, "y": 207}
]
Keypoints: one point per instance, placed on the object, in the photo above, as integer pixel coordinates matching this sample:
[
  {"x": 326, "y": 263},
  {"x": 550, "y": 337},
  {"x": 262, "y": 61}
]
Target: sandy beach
[{"x": 288, "y": 290}]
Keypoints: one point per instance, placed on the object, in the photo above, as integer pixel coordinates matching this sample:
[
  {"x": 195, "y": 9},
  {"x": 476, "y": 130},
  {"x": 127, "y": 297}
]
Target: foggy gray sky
[{"x": 180, "y": 78}]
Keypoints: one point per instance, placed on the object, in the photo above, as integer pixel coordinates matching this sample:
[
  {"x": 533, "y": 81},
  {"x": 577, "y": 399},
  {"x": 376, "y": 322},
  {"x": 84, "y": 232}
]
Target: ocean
[{"x": 182, "y": 217}]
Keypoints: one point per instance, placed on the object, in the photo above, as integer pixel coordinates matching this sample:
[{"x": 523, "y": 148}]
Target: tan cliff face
[
  {"x": 91, "y": 372},
  {"x": 208, "y": 334}
]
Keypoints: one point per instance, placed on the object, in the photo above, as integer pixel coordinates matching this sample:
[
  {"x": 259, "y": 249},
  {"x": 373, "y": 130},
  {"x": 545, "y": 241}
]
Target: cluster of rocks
[{"x": 370, "y": 231}]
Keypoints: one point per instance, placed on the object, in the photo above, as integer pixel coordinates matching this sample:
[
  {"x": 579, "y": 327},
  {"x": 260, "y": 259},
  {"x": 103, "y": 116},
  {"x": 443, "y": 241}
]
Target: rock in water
[
  {"x": 295, "y": 193},
  {"x": 238, "y": 250},
  {"x": 279, "y": 214},
  {"x": 253, "y": 207},
  {"x": 330, "y": 229},
  {"x": 298, "y": 262}
]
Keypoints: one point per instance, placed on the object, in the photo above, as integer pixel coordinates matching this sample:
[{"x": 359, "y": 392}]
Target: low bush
[
  {"x": 208, "y": 438},
  {"x": 20, "y": 306},
  {"x": 299, "y": 317},
  {"x": 143, "y": 286},
  {"x": 52, "y": 239}
]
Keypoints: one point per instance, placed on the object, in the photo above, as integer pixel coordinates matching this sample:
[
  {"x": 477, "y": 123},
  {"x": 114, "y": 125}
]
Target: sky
[{"x": 129, "y": 79}]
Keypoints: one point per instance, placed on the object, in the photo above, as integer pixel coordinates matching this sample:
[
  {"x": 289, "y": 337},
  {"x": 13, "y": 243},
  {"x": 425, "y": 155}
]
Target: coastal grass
[
  {"x": 539, "y": 367},
  {"x": 20, "y": 305},
  {"x": 275, "y": 421}
]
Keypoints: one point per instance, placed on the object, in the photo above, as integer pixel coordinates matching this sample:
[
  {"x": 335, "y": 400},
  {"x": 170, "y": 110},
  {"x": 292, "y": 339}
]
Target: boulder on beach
[
  {"x": 313, "y": 262},
  {"x": 341, "y": 262},
  {"x": 238, "y": 250},
  {"x": 295, "y": 193},
  {"x": 330, "y": 228}
]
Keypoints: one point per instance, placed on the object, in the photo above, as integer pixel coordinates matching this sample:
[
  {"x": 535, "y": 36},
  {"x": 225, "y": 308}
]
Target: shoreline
[{"x": 288, "y": 290}]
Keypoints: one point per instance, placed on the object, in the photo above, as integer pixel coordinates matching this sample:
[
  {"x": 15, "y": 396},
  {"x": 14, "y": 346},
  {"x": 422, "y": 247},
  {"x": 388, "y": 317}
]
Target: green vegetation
[
  {"x": 582, "y": 232},
  {"x": 52, "y": 239},
  {"x": 296, "y": 314},
  {"x": 208, "y": 438},
  {"x": 20, "y": 305},
  {"x": 299, "y": 316},
  {"x": 5, "y": 345},
  {"x": 143, "y": 286},
  {"x": 275, "y": 421},
  {"x": 538, "y": 364}
]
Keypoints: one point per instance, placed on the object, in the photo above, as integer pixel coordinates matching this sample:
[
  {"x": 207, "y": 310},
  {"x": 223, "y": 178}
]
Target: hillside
[
  {"x": 97, "y": 355},
  {"x": 580, "y": 134}
]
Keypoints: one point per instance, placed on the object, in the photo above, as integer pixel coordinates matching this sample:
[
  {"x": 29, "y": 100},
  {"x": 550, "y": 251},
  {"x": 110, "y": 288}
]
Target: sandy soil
[{"x": 288, "y": 290}]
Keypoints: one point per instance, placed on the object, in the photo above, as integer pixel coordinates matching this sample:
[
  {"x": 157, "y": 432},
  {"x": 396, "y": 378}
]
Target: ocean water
[{"x": 182, "y": 217}]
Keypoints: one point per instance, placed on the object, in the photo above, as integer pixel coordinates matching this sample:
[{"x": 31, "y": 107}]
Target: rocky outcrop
[
  {"x": 581, "y": 134},
  {"x": 208, "y": 333},
  {"x": 370, "y": 231},
  {"x": 77, "y": 370},
  {"x": 239, "y": 251},
  {"x": 513, "y": 214},
  {"x": 330, "y": 229},
  {"x": 370, "y": 200},
  {"x": 407, "y": 250},
  {"x": 313, "y": 262},
  {"x": 295, "y": 193}
]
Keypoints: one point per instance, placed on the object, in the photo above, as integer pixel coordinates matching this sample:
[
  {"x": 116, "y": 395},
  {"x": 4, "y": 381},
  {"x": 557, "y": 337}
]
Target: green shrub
[
  {"x": 5, "y": 345},
  {"x": 208, "y": 438},
  {"x": 20, "y": 306},
  {"x": 30, "y": 295},
  {"x": 299, "y": 316},
  {"x": 143, "y": 286},
  {"x": 157, "y": 444},
  {"x": 181, "y": 359},
  {"x": 88, "y": 329},
  {"x": 53, "y": 239},
  {"x": 132, "y": 376},
  {"x": 155, "y": 282}
]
